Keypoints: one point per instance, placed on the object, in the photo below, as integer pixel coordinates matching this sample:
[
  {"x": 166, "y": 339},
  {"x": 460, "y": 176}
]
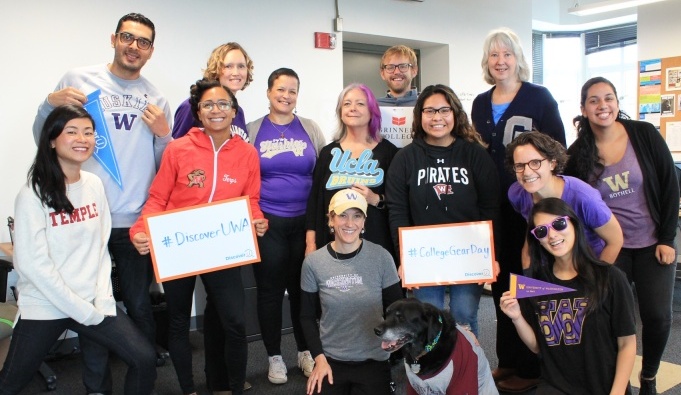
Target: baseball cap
[{"x": 347, "y": 198}]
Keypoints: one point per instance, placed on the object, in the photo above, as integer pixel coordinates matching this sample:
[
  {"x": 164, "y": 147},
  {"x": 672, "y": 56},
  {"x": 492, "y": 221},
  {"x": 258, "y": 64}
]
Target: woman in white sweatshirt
[{"x": 62, "y": 225}]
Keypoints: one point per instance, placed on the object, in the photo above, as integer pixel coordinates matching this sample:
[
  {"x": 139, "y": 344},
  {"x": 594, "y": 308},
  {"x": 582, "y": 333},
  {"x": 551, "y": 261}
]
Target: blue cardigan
[{"x": 532, "y": 108}]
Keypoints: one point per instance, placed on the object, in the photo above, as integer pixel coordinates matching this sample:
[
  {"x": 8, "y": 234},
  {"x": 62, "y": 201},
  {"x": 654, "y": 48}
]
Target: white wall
[
  {"x": 659, "y": 30},
  {"x": 43, "y": 39}
]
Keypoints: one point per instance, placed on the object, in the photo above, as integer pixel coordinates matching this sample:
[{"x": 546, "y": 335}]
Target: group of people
[{"x": 596, "y": 218}]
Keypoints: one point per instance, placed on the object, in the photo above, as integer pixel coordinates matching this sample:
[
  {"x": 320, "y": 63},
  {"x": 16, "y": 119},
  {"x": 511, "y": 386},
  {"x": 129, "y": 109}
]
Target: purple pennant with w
[
  {"x": 526, "y": 287},
  {"x": 104, "y": 152}
]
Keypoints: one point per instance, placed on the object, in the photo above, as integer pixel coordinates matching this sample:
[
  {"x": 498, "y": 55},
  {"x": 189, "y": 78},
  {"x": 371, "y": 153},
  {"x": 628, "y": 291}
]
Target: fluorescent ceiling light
[{"x": 607, "y": 6}]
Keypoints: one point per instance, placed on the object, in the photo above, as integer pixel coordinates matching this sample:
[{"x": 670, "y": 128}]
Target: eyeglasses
[
  {"x": 534, "y": 164},
  {"x": 559, "y": 224},
  {"x": 127, "y": 38},
  {"x": 223, "y": 105},
  {"x": 403, "y": 67},
  {"x": 430, "y": 111}
]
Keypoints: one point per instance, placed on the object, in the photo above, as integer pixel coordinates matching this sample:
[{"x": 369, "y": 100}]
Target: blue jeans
[
  {"x": 32, "y": 340},
  {"x": 135, "y": 273},
  {"x": 282, "y": 250},
  {"x": 226, "y": 292},
  {"x": 463, "y": 301},
  {"x": 655, "y": 292}
]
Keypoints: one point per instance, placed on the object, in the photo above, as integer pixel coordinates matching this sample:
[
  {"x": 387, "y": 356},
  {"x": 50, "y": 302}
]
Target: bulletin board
[{"x": 659, "y": 97}]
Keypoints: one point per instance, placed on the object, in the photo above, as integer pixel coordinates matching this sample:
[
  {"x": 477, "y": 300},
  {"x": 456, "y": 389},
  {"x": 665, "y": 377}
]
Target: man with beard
[
  {"x": 131, "y": 136},
  {"x": 398, "y": 69}
]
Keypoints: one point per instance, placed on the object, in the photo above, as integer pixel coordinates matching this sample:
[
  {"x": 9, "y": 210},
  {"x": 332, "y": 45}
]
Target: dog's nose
[{"x": 378, "y": 331}]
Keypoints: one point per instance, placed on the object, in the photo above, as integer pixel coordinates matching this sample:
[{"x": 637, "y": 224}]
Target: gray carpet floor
[{"x": 68, "y": 368}]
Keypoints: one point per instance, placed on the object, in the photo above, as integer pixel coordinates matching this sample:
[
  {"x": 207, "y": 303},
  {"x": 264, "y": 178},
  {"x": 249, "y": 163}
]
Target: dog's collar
[
  {"x": 429, "y": 347},
  {"x": 432, "y": 345}
]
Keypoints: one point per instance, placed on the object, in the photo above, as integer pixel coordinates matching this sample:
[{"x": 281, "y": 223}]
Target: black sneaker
[{"x": 648, "y": 387}]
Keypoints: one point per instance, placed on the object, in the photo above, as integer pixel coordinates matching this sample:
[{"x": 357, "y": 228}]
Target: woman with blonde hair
[
  {"x": 512, "y": 106},
  {"x": 230, "y": 64}
]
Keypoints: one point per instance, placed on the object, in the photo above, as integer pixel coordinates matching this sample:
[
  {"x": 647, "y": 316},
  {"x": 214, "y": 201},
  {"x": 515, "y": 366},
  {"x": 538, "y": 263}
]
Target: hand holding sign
[
  {"x": 447, "y": 254},
  {"x": 200, "y": 239}
]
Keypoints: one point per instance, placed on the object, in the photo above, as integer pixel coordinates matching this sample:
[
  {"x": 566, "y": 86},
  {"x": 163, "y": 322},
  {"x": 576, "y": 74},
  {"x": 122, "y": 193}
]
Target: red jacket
[{"x": 187, "y": 176}]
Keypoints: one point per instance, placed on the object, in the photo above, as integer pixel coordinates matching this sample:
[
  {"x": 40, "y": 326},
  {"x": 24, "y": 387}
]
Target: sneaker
[
  {"x": 648, "y": 386},
  {"x": 277, "y": 372},
  {"x": 305, "y": 363}
]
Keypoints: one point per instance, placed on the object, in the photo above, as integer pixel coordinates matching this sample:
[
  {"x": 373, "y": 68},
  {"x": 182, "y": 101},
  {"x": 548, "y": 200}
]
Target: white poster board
[
  {"x": 201, "y": 239},
  {"x": 447, "y": 254},
  {"x": 396, "y": 125}
]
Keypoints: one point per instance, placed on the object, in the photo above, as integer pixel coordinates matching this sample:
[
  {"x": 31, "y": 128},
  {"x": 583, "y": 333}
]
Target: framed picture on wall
[{"x": 673, "y": 81}]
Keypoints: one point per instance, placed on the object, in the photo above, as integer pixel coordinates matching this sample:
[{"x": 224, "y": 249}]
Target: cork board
[{"x": 659, "y": 97}]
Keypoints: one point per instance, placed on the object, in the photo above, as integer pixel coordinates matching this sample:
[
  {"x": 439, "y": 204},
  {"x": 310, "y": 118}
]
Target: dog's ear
[{"x": 433, "y": 318}]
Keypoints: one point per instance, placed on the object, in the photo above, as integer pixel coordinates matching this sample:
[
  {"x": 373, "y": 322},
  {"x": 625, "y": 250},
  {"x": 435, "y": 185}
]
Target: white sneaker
[
  {"x": 305, "y": 363},
  {"x": 277, "y": 372}
]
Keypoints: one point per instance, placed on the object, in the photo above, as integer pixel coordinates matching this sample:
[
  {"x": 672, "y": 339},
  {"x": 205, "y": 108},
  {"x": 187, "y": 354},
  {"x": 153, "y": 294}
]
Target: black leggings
[{"x": 654, "y": 285}]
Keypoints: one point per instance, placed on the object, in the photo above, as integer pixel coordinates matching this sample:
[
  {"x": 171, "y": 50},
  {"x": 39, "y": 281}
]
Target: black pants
[
  {"x": 135, "y": 273},
  {"x": 282, "y": 250},
  {"x": 655, "y": 292},
  {"x": 358, "y": 378},
  {"x": 511, "y": 351},
  {"x": 226, "y": 293}
]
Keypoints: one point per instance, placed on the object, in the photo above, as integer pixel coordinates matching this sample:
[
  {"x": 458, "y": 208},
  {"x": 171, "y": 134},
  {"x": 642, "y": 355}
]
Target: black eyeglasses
[
  {"x": 403, "y": 67},
  {"x": 534, "y": 164},
  {"x": 430, "y": 111},
  {"x": 223, "y": 105},
  {"x": 559, "y": 224},
  {"x": 127, "y": 38}
]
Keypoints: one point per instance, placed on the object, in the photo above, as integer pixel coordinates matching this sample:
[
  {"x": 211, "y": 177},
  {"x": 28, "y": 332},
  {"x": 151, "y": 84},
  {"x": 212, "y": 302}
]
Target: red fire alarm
[{"x": 325, "y": 40}]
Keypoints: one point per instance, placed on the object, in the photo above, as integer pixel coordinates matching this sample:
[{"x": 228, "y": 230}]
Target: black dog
[{"x": 439, "y": 357}]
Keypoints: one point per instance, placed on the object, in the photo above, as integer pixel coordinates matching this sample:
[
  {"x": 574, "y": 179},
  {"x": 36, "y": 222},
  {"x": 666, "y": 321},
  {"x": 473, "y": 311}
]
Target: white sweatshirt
[{"x": 62, "y": 260}]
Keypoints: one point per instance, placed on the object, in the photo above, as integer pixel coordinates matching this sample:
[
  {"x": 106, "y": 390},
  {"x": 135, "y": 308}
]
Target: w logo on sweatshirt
[{"x": 122, "y": 120}]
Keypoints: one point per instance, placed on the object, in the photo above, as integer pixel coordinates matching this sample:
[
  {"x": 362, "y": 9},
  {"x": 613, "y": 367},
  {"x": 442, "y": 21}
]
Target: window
[{"x": 571, "y": 58}]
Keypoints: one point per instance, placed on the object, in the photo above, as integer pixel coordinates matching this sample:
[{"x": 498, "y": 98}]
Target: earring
[
  {"x": 362, "y": 232},
  {"x": 331, "y": 230},
  {"x": 53, "y": 146}
]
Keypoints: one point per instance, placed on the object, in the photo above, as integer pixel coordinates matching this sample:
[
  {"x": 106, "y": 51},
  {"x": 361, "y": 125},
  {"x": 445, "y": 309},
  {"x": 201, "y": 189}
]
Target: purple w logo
[
  {"x": 351, "y": 196},
  {"x": 121, "y": 120},
  {"x": 559, "y": 320}
]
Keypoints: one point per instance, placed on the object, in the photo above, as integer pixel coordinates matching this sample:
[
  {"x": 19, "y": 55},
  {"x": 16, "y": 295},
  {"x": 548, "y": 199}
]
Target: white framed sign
[
  {"x": 202, "y": 238},
  {"x": 447, "y": 254}
]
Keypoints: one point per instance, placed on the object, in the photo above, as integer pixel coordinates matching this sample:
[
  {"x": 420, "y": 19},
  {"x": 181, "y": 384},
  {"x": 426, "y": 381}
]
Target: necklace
[
  {"x": 349, "y": 259},
  {"x": 281, "y": 134}
]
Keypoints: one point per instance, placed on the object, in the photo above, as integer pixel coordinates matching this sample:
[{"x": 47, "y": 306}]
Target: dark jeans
[
  {"x": 135, "y": 273},
  {"x": 225, "y": 290},
  {"x": 655, "y": 291},
  {"x": 511, "y": 351},
  {"x": 282, "y": 250},
  {"x": 32, "y": 340},
  {"x": 358, "y": 378}
]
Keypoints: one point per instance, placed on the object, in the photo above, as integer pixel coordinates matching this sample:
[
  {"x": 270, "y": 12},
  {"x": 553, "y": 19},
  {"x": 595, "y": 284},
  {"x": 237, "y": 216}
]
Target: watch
[{"x": 381, "y": 202}]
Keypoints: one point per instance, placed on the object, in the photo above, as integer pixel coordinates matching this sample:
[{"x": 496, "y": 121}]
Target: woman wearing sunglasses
[
  {"x": 586, "y": 337},
  {"x": 537, "y": 160}
]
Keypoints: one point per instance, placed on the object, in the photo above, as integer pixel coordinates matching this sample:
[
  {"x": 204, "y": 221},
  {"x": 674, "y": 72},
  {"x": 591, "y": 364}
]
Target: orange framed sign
[
  {"x": 447, "y": 254},
  {"x": 201, "y": 239}
]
